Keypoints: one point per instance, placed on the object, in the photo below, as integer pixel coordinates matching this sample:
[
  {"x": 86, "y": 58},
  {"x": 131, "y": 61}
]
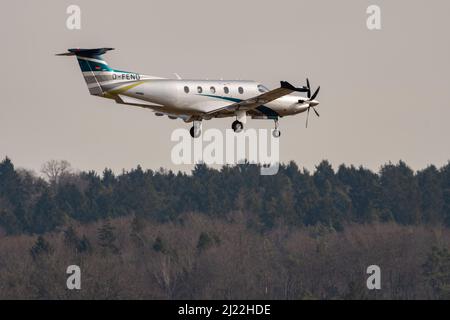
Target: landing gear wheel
[
  {"x": 237, "y": 126},
  {"x": 276, "y": 133},
  {"x": 195, "y": 133}
]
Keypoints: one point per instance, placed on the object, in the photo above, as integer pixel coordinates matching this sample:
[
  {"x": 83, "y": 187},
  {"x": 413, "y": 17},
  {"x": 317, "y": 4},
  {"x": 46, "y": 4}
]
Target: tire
[
  {"x": 195, "y": 134},
  {"x": 276, "y": 133},
  {"x": 237, "y": 126}
]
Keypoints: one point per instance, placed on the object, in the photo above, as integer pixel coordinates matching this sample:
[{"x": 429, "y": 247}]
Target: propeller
[{"x": 311, "y": 103}]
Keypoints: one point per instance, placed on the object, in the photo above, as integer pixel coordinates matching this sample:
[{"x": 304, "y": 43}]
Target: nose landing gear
[{"x": 196, "y": 130}]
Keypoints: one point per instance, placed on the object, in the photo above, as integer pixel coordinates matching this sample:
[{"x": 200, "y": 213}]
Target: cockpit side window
[{"x": 262, "y": 88}]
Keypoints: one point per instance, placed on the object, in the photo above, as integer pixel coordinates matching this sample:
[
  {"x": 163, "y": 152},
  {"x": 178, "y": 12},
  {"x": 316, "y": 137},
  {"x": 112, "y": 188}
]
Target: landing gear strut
[
  {"x": 237, "y": 126},
  {"x": 196, "y": 130},
  {"x": 276, "y": 132}
]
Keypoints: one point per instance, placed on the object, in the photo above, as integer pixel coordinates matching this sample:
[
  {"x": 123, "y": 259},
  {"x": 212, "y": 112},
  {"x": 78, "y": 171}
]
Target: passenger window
[
  {"x": 213, "y": 90},
  {"x": 226, "y": 90},
  {"x": 199, "y": 89},
  {"x": 186, "y": 89},
  {"x": 241, "y": 90}
]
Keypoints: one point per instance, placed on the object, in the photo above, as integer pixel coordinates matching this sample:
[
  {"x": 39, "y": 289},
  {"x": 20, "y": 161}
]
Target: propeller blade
[
  {"x": 310, "y": 98},
  {"x": 316, "y": 112},
  {"x": 315, "y": 94},
  {"x": 307, "y": 117},
  {"x": 309, "y": 88}
]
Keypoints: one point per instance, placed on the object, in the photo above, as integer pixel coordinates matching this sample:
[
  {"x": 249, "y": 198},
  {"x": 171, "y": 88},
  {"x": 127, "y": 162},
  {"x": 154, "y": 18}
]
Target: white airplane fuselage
[
  {"x": 193, "y": 100},
  {"x": 168, "y": 96}
]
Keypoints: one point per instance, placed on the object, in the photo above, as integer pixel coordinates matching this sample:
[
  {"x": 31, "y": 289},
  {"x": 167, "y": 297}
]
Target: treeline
[
  {"x": 295, "y": 197},
  {"x": 225, "y": 234}
]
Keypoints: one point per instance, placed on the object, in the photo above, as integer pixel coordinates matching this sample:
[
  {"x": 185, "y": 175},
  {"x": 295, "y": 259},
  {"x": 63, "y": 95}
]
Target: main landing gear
[
  {"x": 196, "y": 130},
  {"x": 237, "y": 126},
  {"x": 276, "y": 133},
  {"x": 241, "y": 119}
]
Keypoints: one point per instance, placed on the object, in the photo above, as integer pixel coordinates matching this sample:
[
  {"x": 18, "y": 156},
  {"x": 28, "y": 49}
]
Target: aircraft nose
[{"x": 314, "y": 103}]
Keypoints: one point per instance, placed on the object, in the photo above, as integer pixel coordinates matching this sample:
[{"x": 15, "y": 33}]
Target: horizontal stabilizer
[
  {"x": 85, "y": 52},
  {"x": 133, "y": 101},
  {"x": 65, "y": 54}
]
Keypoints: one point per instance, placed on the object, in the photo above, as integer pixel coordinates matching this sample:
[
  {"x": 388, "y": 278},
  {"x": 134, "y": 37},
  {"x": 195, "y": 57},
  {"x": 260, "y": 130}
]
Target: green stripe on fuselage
[{"x": 87, "y": 65}]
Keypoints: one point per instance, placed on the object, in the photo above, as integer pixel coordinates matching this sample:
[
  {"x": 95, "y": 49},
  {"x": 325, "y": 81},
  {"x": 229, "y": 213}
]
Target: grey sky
[{"x": 385, "y": 94}]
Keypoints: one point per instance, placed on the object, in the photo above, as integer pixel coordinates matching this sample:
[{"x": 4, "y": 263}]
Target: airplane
[{"x": 194, "y": 100}]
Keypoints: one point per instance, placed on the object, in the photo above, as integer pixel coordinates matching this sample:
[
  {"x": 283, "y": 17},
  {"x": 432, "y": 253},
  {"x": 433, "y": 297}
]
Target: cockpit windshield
[{"x": 262, "y": 88}]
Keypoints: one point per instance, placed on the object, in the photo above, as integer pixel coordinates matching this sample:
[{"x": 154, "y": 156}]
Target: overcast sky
[{"x": 385, "y": 94}]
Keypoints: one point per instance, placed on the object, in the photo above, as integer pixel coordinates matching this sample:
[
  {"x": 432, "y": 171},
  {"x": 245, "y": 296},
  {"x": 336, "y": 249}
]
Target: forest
[{"x": 226, "y": 233}]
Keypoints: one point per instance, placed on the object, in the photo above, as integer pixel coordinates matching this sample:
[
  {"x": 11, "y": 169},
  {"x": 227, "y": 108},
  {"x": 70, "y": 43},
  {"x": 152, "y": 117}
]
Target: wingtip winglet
[{"x": 287, "y": 85}]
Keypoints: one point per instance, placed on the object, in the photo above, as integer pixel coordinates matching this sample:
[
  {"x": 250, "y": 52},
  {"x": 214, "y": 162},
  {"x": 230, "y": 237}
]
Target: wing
[{"x": 252, "y": 103}]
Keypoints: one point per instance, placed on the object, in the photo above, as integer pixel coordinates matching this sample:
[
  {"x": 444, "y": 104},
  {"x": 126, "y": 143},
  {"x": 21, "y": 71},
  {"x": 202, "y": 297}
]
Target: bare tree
[{"x": 55, "y": 169}]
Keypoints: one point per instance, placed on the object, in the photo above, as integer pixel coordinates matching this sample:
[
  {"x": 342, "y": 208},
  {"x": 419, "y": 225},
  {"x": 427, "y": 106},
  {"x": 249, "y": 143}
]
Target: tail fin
[{"x": 94, "y": 68}]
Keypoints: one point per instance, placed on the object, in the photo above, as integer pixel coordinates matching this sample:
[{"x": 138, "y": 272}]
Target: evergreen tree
[
  {"x": 445, "y": 185},
  {"x": 400, "y": 193},
  {"x": 334, "y": 205},
  {"x": 46, "y": 216},
  {"x": 432, "y": 195},
  {"x": 8, "y": 219},
  {"x": 72, "y": 201},
  {"x": 13, "y": 198},
  {"x": 362, "y": 186},
  {"x": 8, "y": 178},
  {"x": 109, "y": 179}
]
